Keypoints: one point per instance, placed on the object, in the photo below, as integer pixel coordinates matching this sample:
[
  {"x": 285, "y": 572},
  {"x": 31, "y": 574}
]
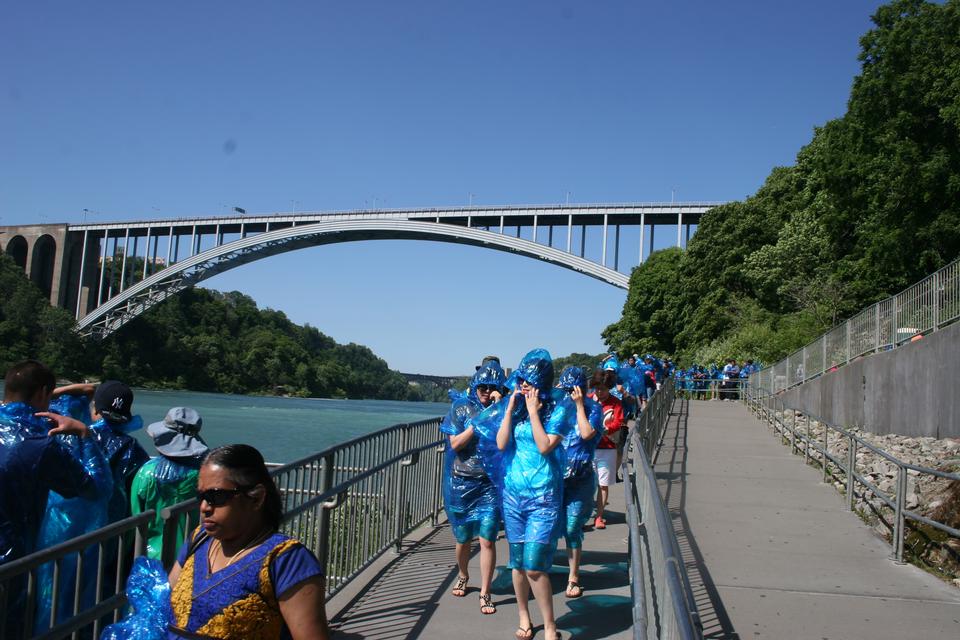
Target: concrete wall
[{"x": 913, "y": 390}]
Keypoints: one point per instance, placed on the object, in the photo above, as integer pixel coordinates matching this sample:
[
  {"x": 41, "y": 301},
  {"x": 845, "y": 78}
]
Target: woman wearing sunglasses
[
  {"x": 469, "y": 496},
  {"x": 584, "y": 419},
  {"x": 238, "y": 577},
  {"x": 531, "y": 484}
]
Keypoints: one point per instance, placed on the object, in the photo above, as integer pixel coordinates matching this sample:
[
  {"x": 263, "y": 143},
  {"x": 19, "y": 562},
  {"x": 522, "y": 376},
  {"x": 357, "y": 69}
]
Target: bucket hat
[{"x": 178, "y": 434}]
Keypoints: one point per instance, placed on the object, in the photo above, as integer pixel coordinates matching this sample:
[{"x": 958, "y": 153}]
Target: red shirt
[{"x": 612, "y": 420}]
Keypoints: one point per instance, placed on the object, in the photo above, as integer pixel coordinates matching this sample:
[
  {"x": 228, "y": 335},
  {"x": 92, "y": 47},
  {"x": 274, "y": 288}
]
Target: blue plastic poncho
[
  {"x": 531, "y": 483},
  {"x": 148, "y": 593},
  {"x": 31, "y": 464},
  {"x": 631, "y": 379},
  {"x": 76, "y": 406},
  {"x": 125, "y": 455},
  {"x": 469, "y": 495},
  {"x": 579, "y": 486},
  {"x": 79, "y": 471}
]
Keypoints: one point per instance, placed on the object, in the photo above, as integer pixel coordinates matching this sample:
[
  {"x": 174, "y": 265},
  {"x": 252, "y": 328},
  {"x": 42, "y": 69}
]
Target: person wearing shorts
[{"x": 605, "y": 458}]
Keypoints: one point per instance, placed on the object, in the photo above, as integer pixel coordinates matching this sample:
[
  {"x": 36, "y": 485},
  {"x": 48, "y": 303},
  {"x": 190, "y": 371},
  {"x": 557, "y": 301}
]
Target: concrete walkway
[
  {"x": 772, "y": 552},
  {"x": 407, "y": 595}
]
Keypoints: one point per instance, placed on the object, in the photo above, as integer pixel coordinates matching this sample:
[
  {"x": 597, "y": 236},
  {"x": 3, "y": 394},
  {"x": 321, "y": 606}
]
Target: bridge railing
[
  {"x": 663, "y": 602},
  {"x": 924, "y": 307},
  {"x": 348, "y": 504},
  {"x": 835, "y": 449}
]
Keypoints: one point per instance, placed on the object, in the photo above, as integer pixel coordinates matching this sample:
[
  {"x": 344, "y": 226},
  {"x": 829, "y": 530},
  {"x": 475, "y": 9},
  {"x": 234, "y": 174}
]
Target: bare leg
[
  {"x": 602, "y": 493},
  {"x": 574, "y": 576},
  {"x": 488, "y": 563},
  {"x": 463, "y": 560},
  {"x": 522, "y": 590},
  {"x": 543, "y": 592}
]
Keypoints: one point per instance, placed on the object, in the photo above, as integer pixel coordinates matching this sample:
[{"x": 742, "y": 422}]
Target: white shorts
[{"x": 605, "y": 461}]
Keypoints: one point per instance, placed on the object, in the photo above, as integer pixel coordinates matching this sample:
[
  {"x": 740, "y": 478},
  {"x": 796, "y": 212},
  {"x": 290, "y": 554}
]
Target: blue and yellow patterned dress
[{"x": 242, "y": 599}]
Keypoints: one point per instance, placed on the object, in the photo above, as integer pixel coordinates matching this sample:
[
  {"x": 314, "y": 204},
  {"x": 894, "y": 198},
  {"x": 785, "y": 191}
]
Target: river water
[{"x": 283, "y": 429}]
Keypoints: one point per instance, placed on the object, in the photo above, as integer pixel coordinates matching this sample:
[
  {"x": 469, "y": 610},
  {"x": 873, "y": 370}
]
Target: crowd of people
[
  {"x": 715, "y": 382},
  {"x": 537, "y": 453},
  {"x": 69, "y": 465}
]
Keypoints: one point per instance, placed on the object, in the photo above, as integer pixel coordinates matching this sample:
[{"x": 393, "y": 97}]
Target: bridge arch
[
  {"x": 42, "y": 261},
  {"x": 17, "y": 249},
  {"x": 134, "y": 301}
]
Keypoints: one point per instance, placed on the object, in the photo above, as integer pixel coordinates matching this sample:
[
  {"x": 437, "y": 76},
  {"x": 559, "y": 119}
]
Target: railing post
[
  {"x": 823, "y": 347},
  {"x": 876, "y": 322},
  {"x": 826, "y": 449},
  {"x": 851, "y": 472},
  {"x": 323, "y": 523},
  {"x": 935, "y": 294},
  {"x": 400, "y": 500},
  {"x": 899, "y": 521},
  {"x": 846, "y": 350},
  {"x": 435, "y": 497}
]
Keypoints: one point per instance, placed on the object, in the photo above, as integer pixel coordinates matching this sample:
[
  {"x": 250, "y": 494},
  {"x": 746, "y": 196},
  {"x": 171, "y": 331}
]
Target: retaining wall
[{"x": 913, "y": 390}]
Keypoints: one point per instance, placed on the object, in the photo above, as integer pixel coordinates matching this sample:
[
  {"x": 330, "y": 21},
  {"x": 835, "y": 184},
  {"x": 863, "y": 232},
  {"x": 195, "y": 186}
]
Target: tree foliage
[{"x": 870, "y": 206}]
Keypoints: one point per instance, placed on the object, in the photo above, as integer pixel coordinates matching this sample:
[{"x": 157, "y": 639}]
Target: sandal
[
  {"x": 486, "y": 602},
  {"x": 460, "y": 588},
  {"x": 524, "y": 633},
  {"x": 577, "y": 593},
  {"x": 599, "y": 523}
]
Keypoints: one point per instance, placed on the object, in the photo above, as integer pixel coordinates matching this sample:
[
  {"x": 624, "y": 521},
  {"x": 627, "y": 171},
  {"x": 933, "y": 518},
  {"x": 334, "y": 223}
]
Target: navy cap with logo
[{"x": 113, "y": 400}]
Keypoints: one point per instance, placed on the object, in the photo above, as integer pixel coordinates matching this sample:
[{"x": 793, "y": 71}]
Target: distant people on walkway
[
  {"x": 171, "y": 477},
  {"x": 584, "y": 428},
  {"x": 606, "y": 453},
  {"x": 237, "y": 576},
  {"x": 730, "y": 383},
  {"x": 469, "y": 495}
]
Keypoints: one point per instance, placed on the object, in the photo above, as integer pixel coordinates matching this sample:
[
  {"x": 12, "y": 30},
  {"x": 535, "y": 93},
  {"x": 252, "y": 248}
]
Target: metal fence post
[
  {"x": 876, "y": 322},
  {"x": 823, "y": 346},
  {"x": 935, "y": 294},
  {"x": 826, "y": 449},
  {"x": 400, "y": 502},
  {"x": 323, "y": 519},
  {"x": 851, "y": 472},
  {"x": 846, "y": 349},
  {"x": 899, "y": 522}
]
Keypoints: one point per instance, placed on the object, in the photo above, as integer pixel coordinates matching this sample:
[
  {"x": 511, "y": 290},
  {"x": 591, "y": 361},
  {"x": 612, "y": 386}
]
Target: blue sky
[{"x": 154, "y": 110}]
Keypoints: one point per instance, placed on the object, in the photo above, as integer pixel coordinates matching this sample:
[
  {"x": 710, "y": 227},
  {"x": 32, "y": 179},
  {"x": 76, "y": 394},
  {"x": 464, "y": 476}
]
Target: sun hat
[
  {"x": 113, "y": 400},
  {"x": 178, "y": 434}
]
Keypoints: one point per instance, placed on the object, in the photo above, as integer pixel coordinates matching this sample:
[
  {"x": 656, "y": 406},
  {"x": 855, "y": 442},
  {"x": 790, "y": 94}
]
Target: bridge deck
[{"x": 774, "y": 553}]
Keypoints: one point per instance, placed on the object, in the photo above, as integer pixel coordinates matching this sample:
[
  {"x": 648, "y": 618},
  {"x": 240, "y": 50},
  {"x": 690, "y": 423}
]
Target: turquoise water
[{"x": 284, "y": 429}]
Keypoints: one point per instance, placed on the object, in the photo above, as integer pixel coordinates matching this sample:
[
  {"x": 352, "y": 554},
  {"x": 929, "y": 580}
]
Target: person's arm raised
[{"x": 505, "y": 432}]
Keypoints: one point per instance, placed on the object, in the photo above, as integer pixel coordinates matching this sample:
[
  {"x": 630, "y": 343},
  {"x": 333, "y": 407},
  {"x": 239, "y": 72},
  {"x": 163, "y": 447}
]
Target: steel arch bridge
[{"x": 107, "y": 286}]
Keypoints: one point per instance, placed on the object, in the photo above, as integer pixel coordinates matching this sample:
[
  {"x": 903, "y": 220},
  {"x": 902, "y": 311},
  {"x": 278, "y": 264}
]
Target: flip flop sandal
[
  {"x": 524, "y": 633},
  {"x": 574, "y": 585},
  {"x": 486, "y": 602},
  {"x": 461, "y": 586}
]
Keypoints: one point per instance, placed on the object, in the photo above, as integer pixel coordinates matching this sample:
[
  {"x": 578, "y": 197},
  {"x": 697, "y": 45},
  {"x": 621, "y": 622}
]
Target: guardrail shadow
[
  {"x": 670, "y": 468},
  {"x": 399, "y": 601}
]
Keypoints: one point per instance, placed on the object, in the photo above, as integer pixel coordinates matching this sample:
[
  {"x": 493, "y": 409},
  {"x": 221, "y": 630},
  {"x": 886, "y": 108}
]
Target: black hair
[
  {"x": 24, "y": 380},
  {"x": 605, "y": 377},
  {"x": 246, "y": 468}
]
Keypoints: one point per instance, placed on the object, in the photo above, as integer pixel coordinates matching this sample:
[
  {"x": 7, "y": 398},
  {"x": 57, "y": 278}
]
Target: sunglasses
[
  {"x": 485, "y": 388},
  {"x": 220, "y": 497}
]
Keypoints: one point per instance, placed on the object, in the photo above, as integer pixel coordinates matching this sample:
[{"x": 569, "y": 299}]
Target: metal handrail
[
  {"x": 924, "y": 307},
  {"x": 771, "y": 407},
  {"x": 663, "y": 601},
  {"x": 363, "y": 484}
]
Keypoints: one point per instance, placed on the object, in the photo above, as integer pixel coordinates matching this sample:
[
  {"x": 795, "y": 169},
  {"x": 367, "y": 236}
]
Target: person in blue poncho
[
  {"x": 584, "y": 418},
  {"x": 531, "y": 481},
  {"x": 32, "y": 463},
  {"x": 469, "y": 495}
]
